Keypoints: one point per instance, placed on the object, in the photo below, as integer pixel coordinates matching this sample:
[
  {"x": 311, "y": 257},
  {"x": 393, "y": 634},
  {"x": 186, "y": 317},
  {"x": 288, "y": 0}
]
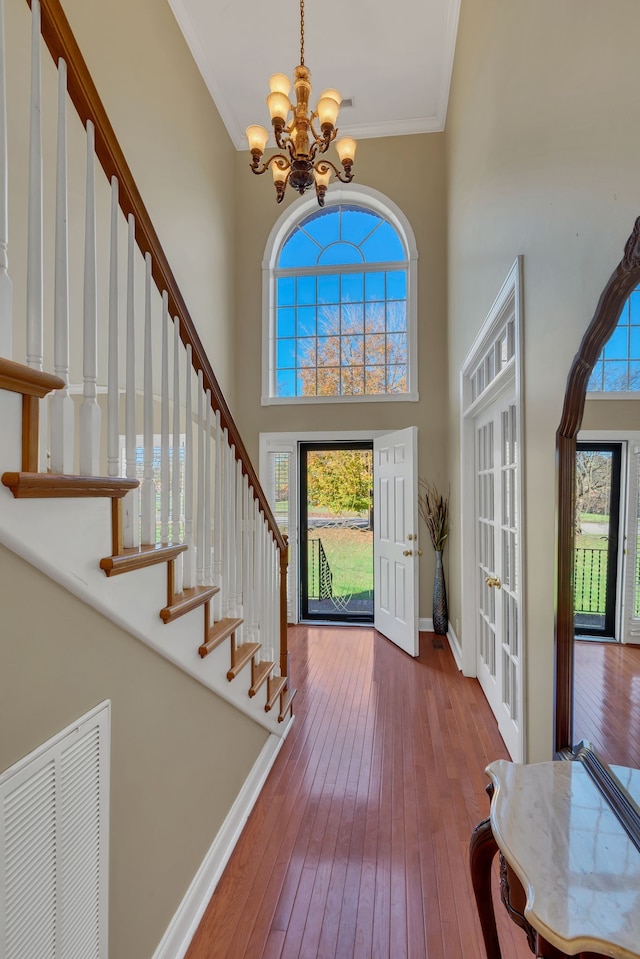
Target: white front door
[
  {"x": 395, "y": 545},
  {"x": 497, "y": 590}
]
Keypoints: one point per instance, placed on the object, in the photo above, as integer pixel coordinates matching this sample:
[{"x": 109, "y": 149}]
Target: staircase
[{"x": 170, "y": 536}]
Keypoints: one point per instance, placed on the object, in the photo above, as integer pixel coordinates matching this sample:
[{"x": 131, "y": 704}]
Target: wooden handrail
[{"x": 59, "y": 38}]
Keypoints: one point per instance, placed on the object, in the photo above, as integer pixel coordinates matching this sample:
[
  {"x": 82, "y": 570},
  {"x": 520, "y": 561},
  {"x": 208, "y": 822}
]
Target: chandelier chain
[{"x": 301, "y": 33}]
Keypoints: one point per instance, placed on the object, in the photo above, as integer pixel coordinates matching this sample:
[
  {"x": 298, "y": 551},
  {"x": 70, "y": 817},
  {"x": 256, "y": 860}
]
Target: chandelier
[{"x": 305, "y": 164}]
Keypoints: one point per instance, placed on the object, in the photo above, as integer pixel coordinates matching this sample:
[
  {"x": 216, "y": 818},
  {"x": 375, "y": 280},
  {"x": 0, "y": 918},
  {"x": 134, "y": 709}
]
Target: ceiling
[{"x": 393, "y": 58}]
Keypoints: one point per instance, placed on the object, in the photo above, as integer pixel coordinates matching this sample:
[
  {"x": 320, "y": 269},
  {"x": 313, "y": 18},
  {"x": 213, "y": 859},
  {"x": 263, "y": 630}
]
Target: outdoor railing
[
  {"x": 590, "y": 579},
  {"x": 321, "y": 578}
]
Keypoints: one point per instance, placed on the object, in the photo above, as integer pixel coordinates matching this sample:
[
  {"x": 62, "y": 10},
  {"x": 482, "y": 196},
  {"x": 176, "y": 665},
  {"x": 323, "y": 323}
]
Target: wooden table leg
[{"x": 482, "y": 850}]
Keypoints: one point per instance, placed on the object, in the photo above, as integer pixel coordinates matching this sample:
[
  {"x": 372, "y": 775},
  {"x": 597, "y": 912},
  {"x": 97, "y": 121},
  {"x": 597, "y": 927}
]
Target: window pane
[
  {"x": 353, "y": 318},
  {"x": 286, "y": 383},
  {"x": 634, "y": 343},
  {"x": 396, "y": 348},
  {"x": 397, "y": 285},
  {"x": 352, "y": 350},
  {"x": 634, "y": 375},
  {"x": 323, "y": 226},
  {"x": 375, "y": 380},
  {"x": 634, "y": 307},
  {"x": 306, "y": 290},
  {"x": 329, "y": 382},
  {"x": 353, "y": 381},
  {"x": 328, "y": 320},
  {"x": 615, "y": 375},
  {"x": 396, "y": 316},
  {"x": 396, "y": 379},
  {"x": 374, "y": 285},
  {"x": 286, "y": 291},
  {"x": 617, "y": 347},
  {"x": 307, "y": 351},
  {"x": 352, "y": 288},
  {"x": 286, "y": 353},
  {"x": 307, "y": 385},
  {"x": 307, "y": 321},
  {"x": 374, "y": 317},
  {"x": 357, "y": 223},
  {"x": 328, "y": 351},
  {"x": 328, "y": 289},
  {"x": 375, "y": 349},
  {"x": 383, "y": 245},
  {"x": 299, "y": 250},
  {"x": 340, "y": 254},
  {"x": 286, "y": 322}
]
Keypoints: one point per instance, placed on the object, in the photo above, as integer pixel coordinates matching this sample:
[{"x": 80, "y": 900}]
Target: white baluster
[
  {"x": 189, "y": 577},
  {"x": 164, "y": 425},
  {"x": 257, "y": 567},
  {"x": 113, "y": 386},
  {"x": 200, "y": 484},
  {"x": 247, "y": 576},
  {"x": 239, "y": 539},
  {"x": 226, "y": 528},
  {"x": 217, "y": 520},
  {"x": 89, "y": 409},
  {"x": 61, "y": 404},
  {"x": 35, "y": 342},
  {"x": 230, "y": 569},
  {"x": 207, "y": 573},
  {"x": 132, "y": 499},
  {"x": 176, "y": 498},
  {"x": 148, "y": 490},
  {"x": 6, "y": 289}
]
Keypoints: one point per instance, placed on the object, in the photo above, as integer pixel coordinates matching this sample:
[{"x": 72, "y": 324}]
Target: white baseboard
[
  {"x": 182, "y": 927},
  {"x": 425, "y": 624}
]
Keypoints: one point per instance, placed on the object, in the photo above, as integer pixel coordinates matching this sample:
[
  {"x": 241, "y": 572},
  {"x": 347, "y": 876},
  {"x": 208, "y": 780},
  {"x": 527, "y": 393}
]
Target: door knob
[
  {"x": 493, "y": 581},
  {"x": 419, "y": 552},
  {"x": 407, "y": 552}
]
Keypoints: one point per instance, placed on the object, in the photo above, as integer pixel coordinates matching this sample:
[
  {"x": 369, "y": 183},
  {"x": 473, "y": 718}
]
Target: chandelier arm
[
  {"x": 322, "y": 140},
  {"x": 344, "y": 177},
  {"x": 265, "y": 166}
]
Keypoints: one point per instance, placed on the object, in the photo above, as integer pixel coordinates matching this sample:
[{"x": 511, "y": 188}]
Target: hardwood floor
[
  {"x": 607, "y": 700},
  {"x": 358, "y": 844}
]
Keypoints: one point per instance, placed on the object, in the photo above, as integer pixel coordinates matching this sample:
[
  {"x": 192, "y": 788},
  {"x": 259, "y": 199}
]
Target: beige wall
[
  {"x": 611, "y": 415},
  {"x": 179, "y": 755},
  {"x": 410, "y": 171},
  {"x": 542, "y": 151}
]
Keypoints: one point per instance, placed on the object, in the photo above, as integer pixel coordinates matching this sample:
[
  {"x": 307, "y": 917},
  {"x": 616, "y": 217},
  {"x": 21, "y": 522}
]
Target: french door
[{"x": 498, "y": 628}]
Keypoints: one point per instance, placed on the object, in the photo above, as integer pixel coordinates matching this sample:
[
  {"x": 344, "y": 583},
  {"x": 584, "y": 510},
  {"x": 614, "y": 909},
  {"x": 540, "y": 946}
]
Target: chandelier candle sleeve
[{"x": 304, "y": 164}]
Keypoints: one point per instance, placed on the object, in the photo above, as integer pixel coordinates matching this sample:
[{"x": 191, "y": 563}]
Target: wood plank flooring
[
  {"x": 607, "y": 700},
  {"x": 357, "y": 847}
]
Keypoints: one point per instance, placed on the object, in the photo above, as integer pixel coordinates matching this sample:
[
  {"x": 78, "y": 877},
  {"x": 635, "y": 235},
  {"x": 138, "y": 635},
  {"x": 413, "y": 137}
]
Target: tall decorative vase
[{"x": 440, "y": 611}]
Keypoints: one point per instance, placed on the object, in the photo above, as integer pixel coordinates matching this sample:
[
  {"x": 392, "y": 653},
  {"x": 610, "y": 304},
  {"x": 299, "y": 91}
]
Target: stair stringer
[{"x": 65, "y": 539}]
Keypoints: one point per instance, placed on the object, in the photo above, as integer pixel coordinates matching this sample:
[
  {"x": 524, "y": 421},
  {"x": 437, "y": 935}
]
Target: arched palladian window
[
  {"x": 617, "y": 369},
  {"x": 340, "y": 291}
]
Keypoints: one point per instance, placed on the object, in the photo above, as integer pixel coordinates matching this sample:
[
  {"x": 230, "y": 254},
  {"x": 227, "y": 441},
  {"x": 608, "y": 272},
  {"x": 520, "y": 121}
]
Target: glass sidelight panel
[{"x": 597, "y": 520}]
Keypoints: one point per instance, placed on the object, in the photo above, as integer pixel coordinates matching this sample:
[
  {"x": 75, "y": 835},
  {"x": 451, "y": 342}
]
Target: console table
[{"x": 568, "y": 834}]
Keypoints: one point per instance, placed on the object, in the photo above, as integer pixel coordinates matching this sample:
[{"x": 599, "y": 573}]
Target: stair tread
[
  {"x": 240, "y": 656},
  {"x": 275, "y": 687},
  {"x": 218, "y": 633},
  {"x": 18, "y": 378},
  {"x": 261, "y": 672},
  {"x": 189, "y": 599},
  {"x": 41, "y": 485},
  {"x": 139, "y": 557},
  {"x": 286, "y": 704}
]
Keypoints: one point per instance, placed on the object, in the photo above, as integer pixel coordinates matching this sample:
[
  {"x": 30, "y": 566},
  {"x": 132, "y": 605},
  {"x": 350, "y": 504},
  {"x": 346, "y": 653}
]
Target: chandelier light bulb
[
  {"x": 280, "y": 83},
  {"x": 327, "y": 111},
  {"x": 257, "y": 137},
  {"x": 346, "y": 147},
  {"x": 332, "y": 94},
  {"x": 279, "y": 106}
]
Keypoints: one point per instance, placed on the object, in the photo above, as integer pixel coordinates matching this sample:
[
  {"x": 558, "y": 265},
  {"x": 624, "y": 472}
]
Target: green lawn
[{"x": 350, "y": 555}]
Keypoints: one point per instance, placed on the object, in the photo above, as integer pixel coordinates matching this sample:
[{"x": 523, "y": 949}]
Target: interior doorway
[
  {"x": 336, "y": 532},
  {"x": 596, "y": 556}
]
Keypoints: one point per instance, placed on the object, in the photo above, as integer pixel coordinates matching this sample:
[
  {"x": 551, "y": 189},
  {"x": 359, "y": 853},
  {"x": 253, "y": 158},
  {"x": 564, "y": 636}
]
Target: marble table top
[{"x": 579, "y": 869}]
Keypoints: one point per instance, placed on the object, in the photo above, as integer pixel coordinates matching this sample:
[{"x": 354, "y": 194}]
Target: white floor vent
[{"x": 54, "y": 842}]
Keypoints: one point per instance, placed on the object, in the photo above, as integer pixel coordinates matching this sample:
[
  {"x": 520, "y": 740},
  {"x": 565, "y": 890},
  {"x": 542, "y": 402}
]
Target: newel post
[{"x": 284, "y": 648}]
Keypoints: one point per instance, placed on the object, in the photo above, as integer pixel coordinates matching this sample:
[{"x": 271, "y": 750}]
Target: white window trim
[{"x": 374, "y": 200}]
